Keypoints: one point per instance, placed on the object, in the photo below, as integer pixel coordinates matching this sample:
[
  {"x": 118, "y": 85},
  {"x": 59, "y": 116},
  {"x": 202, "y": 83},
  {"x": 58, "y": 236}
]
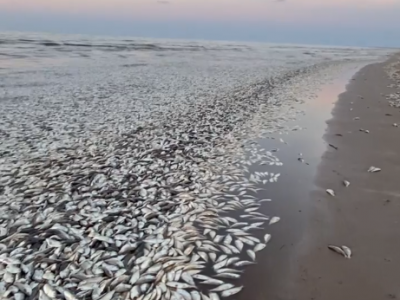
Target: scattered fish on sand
[
  {"x": 337, "y": 250},
  {"x": 274, "y": 220},
  {"x": 347, "y": 251},
  {"x": 330, "y": 192},
  {"x": 373, "y": 169}
]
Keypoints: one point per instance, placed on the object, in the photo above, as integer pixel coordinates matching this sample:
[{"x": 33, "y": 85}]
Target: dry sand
[{"x": 364, "y": 216}]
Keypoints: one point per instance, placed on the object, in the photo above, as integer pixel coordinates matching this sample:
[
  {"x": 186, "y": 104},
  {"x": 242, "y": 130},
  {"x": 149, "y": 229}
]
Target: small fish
[
  {"x": 330, "y": 192},
  {"x": 220, "y": 264},
  {"x": 213, "y": 282},
  {"x": 185, "y": 294},
  {"x": 274, "y": 220},
  {"x": 195, "y": 295},
  {"x": 267, "y": 238},
  {"x": 243, "y": 263},
  {"x": 346, "y": 183},
  {"x": 49, "y": 291},
  {"x": 251, "y": 254},
  {"x": 259, "y": 247},
  {"x": 108, "y": 296},
  {"x": 178, "y": 285},
  {"x": 213, "y": 256},
  {"x": 229, "y": 275},
  {"x": 214, "y": 296},
  {"x": 373, "y": 169},
  {"x": 347, "y": 251},
  {"x": 231, "y": 292},
  {"x": 223, "y": 287},
  {"x": 337, "y": 250}
]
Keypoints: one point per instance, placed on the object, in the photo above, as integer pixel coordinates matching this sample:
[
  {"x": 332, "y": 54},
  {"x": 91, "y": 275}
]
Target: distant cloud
[{"x": 163, "y": 2}]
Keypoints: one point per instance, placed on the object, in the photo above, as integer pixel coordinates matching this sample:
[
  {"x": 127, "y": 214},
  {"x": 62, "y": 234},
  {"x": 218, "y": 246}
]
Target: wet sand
[
  {"x": 297, "y": 265},
  {"x": 363, "y": 216},
  {"x": 269, "y": 278}
]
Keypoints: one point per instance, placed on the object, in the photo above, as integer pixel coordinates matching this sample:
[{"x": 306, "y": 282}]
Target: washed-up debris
[
  {"x": 373, "y": 169},
  {"x": 356, "y": 118},
  {"x": 346, "y": 183},
  {"x": 334, "y": 147},
  {"x": 330, "y": 192},
  {"x": 364, "y": 130},
  {"x": 347, "y": 251},
  {"x": 344, "y": 250},
  {"x": 395, "y": 125},
  {"x": 274, "y": 220}
]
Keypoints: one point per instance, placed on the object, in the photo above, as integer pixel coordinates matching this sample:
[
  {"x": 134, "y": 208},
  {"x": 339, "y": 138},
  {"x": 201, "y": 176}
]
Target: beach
[
  {"x": 150, "y": 169},
  {"x": 364, "y": 215}
]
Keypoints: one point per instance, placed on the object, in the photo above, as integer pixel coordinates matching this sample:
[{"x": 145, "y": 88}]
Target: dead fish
[
  {"x": 223, "y": 287},
  {"x": 330, "y": 192},
  {"x": 178, "y": 285},
  {"x": 195, "y": 295},
  {"x": 346, "y": 183},
  {"x": 49, "y": 291},
  {"x": 373, "y": 169},
  {"x": 229, "y": 275},
  {"x": 274, "y": 220},
  {"x": 213, "y": 282},
  {"x": 267, "y": 238},
  {"x": 185, "y": 294},
  {"x": 337, "y": 250},
  {"x": 231, "y": 292},
  {"x": 243, "y": 263},
  {"x": 347, "y": 251},
  {"x": 214, "y": 296},
  {"x": 259, "y": 247},
  {"x": 108, "y": 296},
  {"x": 251, "y": 254}
]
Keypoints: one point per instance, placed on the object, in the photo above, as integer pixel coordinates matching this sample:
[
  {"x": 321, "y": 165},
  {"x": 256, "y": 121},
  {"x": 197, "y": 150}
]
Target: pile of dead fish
[
  {"x": 161, "y": 211},
  {"x": 393, "y": 72}
]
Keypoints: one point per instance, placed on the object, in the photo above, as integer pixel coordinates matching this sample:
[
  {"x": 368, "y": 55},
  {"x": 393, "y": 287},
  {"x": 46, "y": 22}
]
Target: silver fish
[
  {"x": 347, "y": 251},
  {"x": 330, "y": 192},
  {"x": 337, "y": 250},
  {"x": 232, "y": 291}
]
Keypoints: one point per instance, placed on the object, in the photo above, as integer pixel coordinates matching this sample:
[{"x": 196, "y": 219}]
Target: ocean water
[
  {"x": 77, "y": 84},
  {"x": 70, "y": 66}
]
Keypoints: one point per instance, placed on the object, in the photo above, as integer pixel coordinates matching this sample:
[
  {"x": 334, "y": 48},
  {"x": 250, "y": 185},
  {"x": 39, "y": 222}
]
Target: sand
[
  {"x": 364, "y": 216},
  {"x": 297, "y": 265}
]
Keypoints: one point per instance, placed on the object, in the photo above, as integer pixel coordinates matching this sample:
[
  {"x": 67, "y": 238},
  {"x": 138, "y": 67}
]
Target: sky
[{"x": 323, "y": 22}]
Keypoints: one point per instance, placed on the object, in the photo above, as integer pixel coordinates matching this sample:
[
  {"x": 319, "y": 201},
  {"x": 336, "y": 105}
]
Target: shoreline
[
  {"x": 269, "y": 278},
  {"x": 297, "y": 265},
  {"x": 364, "y": 215}
]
